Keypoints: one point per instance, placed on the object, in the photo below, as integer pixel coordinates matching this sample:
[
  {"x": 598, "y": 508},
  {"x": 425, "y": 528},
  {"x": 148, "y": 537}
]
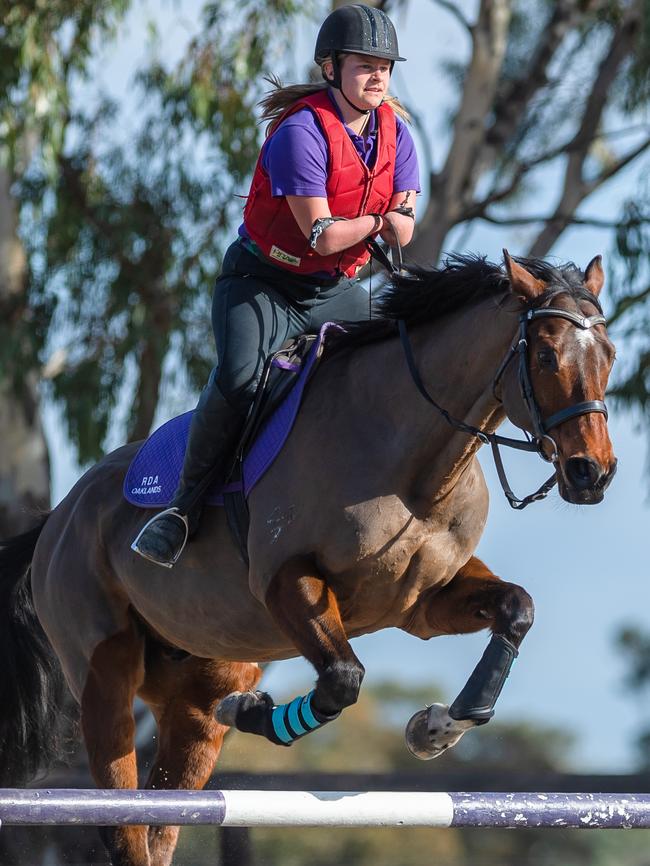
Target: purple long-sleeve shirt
[{"x": 296, "y": 156}]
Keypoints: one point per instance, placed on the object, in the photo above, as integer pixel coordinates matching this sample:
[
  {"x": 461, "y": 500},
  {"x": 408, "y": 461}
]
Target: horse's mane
[{"x": 426, "y": 294}]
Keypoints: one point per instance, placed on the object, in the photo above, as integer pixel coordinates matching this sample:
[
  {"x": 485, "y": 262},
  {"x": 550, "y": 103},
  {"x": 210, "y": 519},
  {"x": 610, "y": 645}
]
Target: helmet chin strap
[
  {"x": 337, "y": 84},
  {"x": 356, "y": 107}
]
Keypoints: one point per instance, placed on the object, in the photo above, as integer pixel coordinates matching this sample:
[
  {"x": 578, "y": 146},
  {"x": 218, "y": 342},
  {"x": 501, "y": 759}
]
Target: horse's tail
[{"x": 31, "y": 680}]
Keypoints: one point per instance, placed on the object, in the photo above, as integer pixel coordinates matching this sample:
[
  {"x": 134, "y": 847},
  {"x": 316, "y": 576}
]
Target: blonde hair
[{"x": 281, "y": 98}]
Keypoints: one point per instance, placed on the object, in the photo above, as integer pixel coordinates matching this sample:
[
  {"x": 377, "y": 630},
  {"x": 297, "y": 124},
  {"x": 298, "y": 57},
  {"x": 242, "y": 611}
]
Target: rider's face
[{"x": 365, "y": 79}]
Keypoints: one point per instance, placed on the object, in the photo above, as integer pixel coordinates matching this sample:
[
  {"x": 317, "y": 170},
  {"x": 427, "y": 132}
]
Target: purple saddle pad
[{"x": 153, "y": 474}]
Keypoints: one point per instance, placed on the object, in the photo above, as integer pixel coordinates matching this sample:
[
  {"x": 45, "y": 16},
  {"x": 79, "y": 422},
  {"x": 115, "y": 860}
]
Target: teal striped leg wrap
[{"x": 296, "y": 719}]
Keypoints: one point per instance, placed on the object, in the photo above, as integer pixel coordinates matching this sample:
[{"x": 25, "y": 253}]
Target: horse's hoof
[
  {"x": 236, "y": 702},
  {"x": 431, "y": 732},
  {"x": 226, "y": 713}
]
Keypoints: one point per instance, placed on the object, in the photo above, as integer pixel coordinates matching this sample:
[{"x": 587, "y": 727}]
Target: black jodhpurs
[{"x": 257, "y": 307}]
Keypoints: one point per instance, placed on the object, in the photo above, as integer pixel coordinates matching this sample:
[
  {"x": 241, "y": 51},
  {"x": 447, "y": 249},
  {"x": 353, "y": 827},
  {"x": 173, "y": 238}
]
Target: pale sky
[{"x": 586, "y": 567}]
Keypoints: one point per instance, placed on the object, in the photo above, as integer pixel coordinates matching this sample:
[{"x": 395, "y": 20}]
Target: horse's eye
[{"x": 547, "y": 359}]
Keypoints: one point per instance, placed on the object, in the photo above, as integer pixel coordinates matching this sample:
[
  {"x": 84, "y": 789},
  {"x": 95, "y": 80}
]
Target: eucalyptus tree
[
  {"x": 124, "y": 214},
  {"x": 634, "y": 642},
  {"x": 561, "y": 84},
  {"x": 114, "y": 234},
  {"x": 41, "y": 47},
  {"x": 560, "y": 90}
]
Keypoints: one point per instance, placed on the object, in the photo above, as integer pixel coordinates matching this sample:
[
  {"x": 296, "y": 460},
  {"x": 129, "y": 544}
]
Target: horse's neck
[{"x": 457, "y": 358}]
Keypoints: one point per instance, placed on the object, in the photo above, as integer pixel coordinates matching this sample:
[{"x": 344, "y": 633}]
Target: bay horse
[{"x": 368, "y": 519}]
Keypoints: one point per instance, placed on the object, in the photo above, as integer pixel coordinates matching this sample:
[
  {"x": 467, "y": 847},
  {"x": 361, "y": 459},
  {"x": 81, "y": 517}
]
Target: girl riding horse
[
  {"x": 378, "y": 532},
  {"x": 338, "y": 168}
]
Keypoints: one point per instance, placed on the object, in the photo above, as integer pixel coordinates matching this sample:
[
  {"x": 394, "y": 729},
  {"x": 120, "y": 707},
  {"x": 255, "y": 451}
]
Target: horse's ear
[
  {"x": 595, "y": 276},
  {"x": 522, "y": 282}
]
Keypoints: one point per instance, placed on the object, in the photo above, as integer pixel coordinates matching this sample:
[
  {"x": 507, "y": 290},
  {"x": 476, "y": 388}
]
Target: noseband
[{"x": 541, "y": 426}]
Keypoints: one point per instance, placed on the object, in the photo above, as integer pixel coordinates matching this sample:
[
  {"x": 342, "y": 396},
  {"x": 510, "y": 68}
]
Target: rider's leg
[
  {"x": 250, "y": 320},
  {"x": 347, "y": 301},
  {"x": 211, "y": 441}
]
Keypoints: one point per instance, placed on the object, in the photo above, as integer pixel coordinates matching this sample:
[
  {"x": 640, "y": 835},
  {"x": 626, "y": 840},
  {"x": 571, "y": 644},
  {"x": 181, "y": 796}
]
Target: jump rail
[{"x": 324, "y": 809}]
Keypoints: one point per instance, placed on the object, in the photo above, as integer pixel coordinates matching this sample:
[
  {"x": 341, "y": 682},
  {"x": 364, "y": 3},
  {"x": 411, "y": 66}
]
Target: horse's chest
[
  {"x": 395, "y": 556},
  {"x": 380, "y": 551},
  {"x": 390, "y": 544}
]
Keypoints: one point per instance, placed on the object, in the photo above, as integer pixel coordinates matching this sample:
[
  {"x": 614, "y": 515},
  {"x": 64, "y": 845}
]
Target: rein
[
  {"x": 541, "y": 426},
  {"x": 484, "y": 436}
]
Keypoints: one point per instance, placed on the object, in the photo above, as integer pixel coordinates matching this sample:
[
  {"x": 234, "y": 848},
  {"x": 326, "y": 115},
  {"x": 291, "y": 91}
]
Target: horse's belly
[{"x": 376, "y": 555}]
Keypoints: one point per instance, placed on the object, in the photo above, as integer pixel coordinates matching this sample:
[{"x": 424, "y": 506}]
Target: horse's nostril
[{"x": 583, "y": 472}]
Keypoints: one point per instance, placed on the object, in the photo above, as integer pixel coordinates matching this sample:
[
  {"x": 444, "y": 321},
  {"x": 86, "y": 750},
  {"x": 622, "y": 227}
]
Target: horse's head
[{"x": 557, "y": 388}]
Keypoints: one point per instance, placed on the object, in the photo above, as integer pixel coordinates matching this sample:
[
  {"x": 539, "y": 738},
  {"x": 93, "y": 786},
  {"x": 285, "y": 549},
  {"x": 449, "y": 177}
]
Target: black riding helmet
[{"x": 356, "y": 30}]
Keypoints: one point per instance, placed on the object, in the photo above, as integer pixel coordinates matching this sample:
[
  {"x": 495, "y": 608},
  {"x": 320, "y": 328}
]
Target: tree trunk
[{"x": 24, "y": 463}]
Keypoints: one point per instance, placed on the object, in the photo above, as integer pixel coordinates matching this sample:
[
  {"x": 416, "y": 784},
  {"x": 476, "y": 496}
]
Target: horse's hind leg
[
  {"x": 115, "y": 674},
  {"x": 306, "y": 609},
  {"x": 474, "y": 599},
  {"x": 182, "y": 694}
]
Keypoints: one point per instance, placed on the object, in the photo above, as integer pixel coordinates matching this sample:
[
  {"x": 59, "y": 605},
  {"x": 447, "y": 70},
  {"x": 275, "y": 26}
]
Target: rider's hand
[{"x": 387, "y": 232}]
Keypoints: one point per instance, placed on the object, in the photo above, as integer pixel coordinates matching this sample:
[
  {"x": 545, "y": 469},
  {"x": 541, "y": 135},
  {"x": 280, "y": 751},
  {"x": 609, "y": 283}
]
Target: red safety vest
[{"x": 353, "y": 190}]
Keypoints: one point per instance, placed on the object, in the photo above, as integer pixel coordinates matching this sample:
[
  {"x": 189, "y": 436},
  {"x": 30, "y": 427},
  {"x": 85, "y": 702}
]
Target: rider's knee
[
  {"x": 219, "y": 396},
  {"x": 237, "y": 391}
]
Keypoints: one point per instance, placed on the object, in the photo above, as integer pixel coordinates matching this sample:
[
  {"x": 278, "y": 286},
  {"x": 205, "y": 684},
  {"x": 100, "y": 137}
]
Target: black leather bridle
[{"x": 541, "y": 426}]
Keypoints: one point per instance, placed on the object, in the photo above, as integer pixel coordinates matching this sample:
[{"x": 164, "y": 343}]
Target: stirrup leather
[{"x": 176, "y": 513}]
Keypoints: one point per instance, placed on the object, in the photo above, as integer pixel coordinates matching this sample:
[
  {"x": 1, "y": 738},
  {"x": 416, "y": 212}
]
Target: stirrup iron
[{"x": 182, "y": 517}]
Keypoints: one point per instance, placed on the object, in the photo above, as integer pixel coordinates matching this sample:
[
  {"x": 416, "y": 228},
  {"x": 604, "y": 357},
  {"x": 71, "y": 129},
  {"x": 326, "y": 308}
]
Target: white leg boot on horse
[
  {"x": 183, "y": 693},
  {"x": 307, "y": 611},
  {"x": 474, "y": 599}
]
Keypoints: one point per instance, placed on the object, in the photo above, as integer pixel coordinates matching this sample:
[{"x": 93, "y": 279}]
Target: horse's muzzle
[{"x": 584, "y": 480}]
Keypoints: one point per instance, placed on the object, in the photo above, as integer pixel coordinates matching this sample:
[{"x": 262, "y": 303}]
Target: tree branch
[
  {"x": 576, "y": 187},
  {"x": 477, "y": 211},
  {"x": 619, "y": 164},
  {"x": 515, "y": 96},
  {"x": 619, "y": 133},
  {"x": 624, "y": 304},
  {"x": 571, "y": 219},
  {"x": 607, "y": 72},
  {"x": 452, "y": 189},
  {"x": 453, "y": 9}
]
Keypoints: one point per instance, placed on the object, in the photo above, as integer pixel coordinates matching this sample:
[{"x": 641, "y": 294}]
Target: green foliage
[
  {"x": 42, "y": 46},
  {"x": 635, "y": 645},
  {"x": 125, "y": 233},
  {"x": 125, "y": 211},
  {"x": 629, "y": 288},
  {"x": 637, "y": 82}
]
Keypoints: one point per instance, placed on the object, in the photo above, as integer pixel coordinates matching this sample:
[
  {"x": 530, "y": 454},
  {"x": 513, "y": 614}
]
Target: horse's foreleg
[
  {"x": 182, "y": 695},
  {"x": 474, "y": 599},
  {"x": 116, "y": 672},
  {"x": 307, "y": 611}
]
